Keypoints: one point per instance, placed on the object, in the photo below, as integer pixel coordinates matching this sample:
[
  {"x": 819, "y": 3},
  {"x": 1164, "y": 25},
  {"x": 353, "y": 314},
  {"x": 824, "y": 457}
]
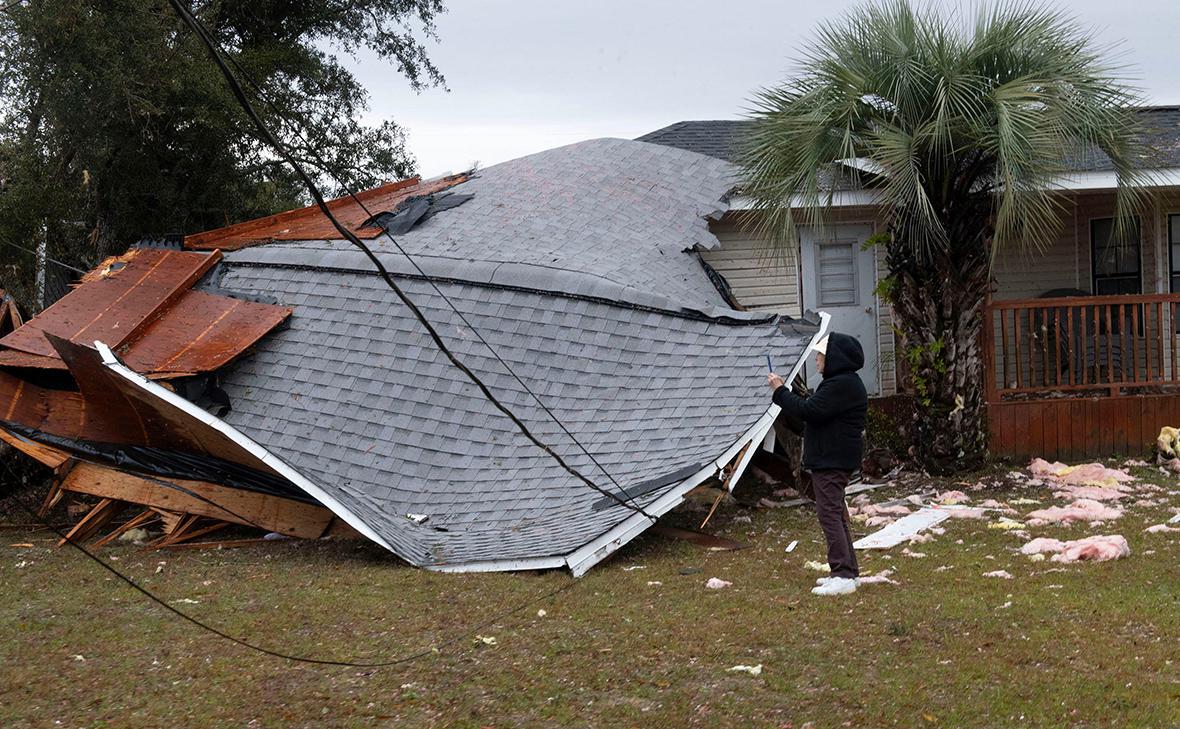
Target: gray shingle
[{"x": 387, "y": 426}]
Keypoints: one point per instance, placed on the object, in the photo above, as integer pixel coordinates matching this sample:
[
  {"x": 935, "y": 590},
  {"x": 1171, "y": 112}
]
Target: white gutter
[
  {"x": 250, "y": 446},
  {"x": 1077, "y": 181}
]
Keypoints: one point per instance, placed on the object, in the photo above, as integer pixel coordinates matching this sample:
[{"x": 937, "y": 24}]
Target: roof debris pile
[{"x": 568, "y": 281}]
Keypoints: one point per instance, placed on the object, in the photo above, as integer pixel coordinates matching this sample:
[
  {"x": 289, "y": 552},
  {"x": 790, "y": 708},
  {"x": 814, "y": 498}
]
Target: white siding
[
  {"x": 770, "y": 282},
  {"x": 759, "y": 279}
]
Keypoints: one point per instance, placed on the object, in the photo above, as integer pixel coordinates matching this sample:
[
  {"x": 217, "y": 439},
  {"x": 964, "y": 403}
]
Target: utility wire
[
  {"x": 295, "y": 127},
  {"x": 211, "y": 46},
  {"x": 261, "y": 649},
  {"x": 323, "y": 165},
  {"x": 47, "y": 258}
]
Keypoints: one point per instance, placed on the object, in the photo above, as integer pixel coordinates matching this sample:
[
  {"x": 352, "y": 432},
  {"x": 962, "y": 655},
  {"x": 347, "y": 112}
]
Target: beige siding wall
[
  {"x": 760, "y": 280},
  {"x": 1065, "y": 262},
  {"x": 771, "y": 282}
]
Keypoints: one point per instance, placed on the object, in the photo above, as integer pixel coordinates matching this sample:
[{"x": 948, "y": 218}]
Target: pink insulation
[
  {"x": 1087, "y": 474},
  {"x": 1098, "y": 548},
  {"x": 1080, "y": 510},
  {"x": 952, "y": 497}
]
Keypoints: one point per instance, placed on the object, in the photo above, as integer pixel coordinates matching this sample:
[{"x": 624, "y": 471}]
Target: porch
[{"x": 1081, "y": 376}]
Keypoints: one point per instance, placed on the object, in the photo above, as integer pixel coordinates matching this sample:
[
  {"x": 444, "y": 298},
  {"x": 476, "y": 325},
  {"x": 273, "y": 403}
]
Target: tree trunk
[{"x": 938, "y": 305}]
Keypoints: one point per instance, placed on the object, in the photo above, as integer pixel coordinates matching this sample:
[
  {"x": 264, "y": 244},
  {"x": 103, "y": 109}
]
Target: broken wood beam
[
  {"x": 200, "y": 498},
  {"x": 145, "y": 517},
  {"x": 103, "y": 511}
]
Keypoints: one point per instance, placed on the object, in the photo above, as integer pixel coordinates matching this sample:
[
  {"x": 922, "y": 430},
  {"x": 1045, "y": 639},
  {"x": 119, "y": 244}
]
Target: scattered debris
[
  {"x": 541, "y": 613},
  {"x": 906, "y": 551},
  {"x": 486, "y": 640},
  {"x": 818, "y": 566},
  {"x": 634, "y": 567},
  {"x": 952, "y": 497},
  {"x": 186, "y": 601},
  {"x": 1086, "y": 474},
  {"x": 881, "y": 577},
  {"x": 1161, "y": 528},
  {"x": 791, "y": 547},
  {"x": 1080, "y": 510},
  {"x": 752, "y": 670},
  {"x": 1006, "y": 524},
  {"x": 1002, "y": 574},
  {"x": 902, "y": 529},
  {"x": 21, "y": 545},
  {"x": 1098, "y": 548},
  {"x": 653, "y": 583},
  {"x": 715, "y": 583},
  {"x": 136, "y": 536}
]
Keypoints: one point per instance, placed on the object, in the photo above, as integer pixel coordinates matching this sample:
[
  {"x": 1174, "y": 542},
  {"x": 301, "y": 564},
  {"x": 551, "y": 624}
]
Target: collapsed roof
[{"x": 573, "y": 270}]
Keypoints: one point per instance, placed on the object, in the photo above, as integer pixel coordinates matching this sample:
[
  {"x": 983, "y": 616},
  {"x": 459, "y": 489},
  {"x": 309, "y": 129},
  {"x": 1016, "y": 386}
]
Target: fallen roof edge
[
  {"x": 524, "y": 277},
  {"x": 251, "y": 446},
  {"x": 582, "y": 559}
]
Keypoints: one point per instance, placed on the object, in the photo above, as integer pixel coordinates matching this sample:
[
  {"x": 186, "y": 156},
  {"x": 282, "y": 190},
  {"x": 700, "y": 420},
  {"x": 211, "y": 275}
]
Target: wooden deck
[{"x": 1081, "y": 377}]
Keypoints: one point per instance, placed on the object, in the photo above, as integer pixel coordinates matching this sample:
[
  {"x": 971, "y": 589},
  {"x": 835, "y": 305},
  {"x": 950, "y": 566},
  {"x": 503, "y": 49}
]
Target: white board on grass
[{"x": 902, "y": 529}]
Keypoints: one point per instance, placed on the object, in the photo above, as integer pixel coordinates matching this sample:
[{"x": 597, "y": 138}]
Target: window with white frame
[{"x": 836, "y": 272}]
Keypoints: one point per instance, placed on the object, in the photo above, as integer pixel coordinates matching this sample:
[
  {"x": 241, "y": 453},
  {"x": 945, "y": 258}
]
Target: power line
[
  {"x": 47, "y": 258},
  {"x": 429, "y": 279},
  {"x": 210, "y": 45},
  {"x": 262, "y": 649}
]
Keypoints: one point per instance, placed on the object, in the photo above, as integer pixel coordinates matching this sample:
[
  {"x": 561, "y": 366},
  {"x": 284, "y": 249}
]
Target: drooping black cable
[
  {"x": 261, "y": 649},
  {"x": 75, "y": 269},
  {"x": 264, "y": 131},
  {"x": 323, "y": 165}
]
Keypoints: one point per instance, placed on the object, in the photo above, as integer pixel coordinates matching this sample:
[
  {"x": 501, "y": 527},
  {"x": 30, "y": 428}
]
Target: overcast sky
[{"x": 527, "y": 75}]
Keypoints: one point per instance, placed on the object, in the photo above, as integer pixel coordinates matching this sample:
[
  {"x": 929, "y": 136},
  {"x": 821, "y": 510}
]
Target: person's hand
[{"x": 774, "y": 381}]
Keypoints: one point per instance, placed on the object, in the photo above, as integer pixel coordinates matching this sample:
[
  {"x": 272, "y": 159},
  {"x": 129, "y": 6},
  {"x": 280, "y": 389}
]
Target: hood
[{"x": 844, "y": 354}]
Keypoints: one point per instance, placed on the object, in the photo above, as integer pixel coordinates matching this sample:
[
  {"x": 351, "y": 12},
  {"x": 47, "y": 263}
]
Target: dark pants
[{"x": 829, "y": 505}]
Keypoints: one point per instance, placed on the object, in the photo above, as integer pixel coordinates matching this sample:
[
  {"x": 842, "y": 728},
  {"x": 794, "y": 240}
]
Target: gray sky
[{"x": 527, "y": 75}]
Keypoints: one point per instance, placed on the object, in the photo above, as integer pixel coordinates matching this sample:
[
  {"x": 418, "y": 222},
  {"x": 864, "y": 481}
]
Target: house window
[
  {"x": 836, "y": 271},
  {"x": 1115, "y": 259}
]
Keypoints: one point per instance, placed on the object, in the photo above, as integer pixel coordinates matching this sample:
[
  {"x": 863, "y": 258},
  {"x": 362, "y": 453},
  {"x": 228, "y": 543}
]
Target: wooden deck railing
[{"x": 1098, "y": 344}]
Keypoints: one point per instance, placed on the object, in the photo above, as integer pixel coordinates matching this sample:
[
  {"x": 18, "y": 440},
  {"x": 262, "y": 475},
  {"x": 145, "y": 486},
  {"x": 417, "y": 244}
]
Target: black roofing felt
[{"x": 720, "y": 138}]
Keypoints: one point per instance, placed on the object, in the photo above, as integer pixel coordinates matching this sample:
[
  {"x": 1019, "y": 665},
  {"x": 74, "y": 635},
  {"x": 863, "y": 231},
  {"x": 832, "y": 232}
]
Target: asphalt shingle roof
[
  {"x": 721, "y": 138},
  {"x": 573, "y": 265}
]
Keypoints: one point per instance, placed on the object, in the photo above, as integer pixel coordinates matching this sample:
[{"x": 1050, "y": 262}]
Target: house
[
  {"x": 1083, "y": 345},
  {"x": 265, "y": 374}
]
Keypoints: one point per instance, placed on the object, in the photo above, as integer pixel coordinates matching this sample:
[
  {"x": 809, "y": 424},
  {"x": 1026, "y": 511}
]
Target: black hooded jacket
[{"x": 834, "y": 415}]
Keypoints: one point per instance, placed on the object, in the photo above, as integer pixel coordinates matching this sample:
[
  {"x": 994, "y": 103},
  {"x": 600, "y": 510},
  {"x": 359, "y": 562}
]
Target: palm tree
[{"x": 959, "y": 130}]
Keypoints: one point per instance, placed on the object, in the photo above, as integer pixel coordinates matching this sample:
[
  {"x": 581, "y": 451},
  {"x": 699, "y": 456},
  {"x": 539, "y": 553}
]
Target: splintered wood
[{"x": 185, "y": 510}]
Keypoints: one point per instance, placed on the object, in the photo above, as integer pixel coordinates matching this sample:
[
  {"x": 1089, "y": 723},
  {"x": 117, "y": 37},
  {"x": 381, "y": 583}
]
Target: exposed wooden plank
[
  {"x": 47, "y": 455},
  {"x": 114, "y": 305},
  {"x": 144, "y": 517},
  {"x": 273, "y": 513},
  {"x": 105, "y": 510}
]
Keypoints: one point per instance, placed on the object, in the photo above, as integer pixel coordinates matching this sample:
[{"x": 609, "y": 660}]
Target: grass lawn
[{"x": 1060, "y": 645}]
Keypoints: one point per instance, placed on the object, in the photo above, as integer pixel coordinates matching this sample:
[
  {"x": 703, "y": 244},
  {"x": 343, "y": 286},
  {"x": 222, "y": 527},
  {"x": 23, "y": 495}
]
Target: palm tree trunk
[{"x": 938, "y": 305}]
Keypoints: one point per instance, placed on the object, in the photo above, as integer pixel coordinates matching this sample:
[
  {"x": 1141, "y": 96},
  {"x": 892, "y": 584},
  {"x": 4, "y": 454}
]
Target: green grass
[{"x": 1080, "y": 645}]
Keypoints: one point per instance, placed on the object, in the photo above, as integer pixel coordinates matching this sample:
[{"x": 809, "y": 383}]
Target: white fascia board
[
  {"x": 591, "y": 554},
  {"x": 501, "y": 565},
  {"x": 1167, "y": 177},
  {"x": 1164, "y": 177},
  {"x": 838, "y": 199},
  {"x": 247, "y": 444}
]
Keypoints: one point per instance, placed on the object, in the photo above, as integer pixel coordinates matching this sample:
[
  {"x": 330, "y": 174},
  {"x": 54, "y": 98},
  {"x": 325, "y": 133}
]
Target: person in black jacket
[{"x": 833, "y": 445}]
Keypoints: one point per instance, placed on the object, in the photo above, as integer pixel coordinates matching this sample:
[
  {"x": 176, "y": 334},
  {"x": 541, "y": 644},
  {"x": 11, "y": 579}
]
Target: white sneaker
[
  {"x": 835, "y": 586},
  {"x": 826, "y": 580}
]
